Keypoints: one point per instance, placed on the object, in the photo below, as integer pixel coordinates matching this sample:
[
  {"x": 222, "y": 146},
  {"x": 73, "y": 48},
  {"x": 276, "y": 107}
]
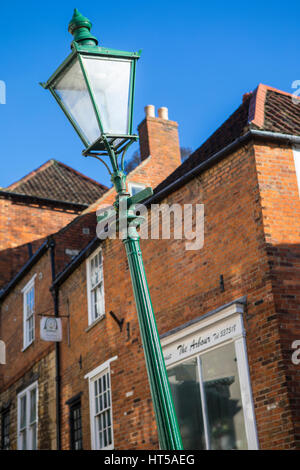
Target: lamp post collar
[{"x": 80, "y": 28}]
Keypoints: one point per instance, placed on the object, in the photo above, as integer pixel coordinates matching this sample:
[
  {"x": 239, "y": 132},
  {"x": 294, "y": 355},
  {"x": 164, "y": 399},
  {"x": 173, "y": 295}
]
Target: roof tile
[{"x": 57, "y": 181}]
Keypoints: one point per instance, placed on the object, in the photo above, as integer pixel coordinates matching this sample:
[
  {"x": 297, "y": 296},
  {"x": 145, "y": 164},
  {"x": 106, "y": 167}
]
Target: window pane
[
  {"x": 23, "y": 412},
  {"x": 73, "y": 92},
  {"x": 184, "y": 382},
  {"x": 95, "y": 303},
  {"x": 223, "y": 399},
  {"x": 33, "y": 437},
  {"x": 30, "y": 326},
  {"x": 75, "y": 426},
  {"x": 33, "y": 405},
  {"x": 103, "y": 418},
  {"x": 110, "y": 81},
  {"x": 109, "y": 436},
  {"x": 96, "y": 285},
  {"x": 29, "y": 302},
  {"x": 29, "y": 317},
  {"x": 23, "y": 440}
]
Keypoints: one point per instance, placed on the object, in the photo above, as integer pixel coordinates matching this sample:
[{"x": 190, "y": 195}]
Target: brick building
[
  {"x": 38, "y": 205},
  {"x": 228, "y": 313}
]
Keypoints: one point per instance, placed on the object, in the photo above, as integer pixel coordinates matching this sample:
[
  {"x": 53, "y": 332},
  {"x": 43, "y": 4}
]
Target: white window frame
[
  {"x": 296, "y": 153},
  {"x": 25, "y": 291},
  {"x": 92, "y": 377},
  {"x": 132, "y": 184},
  {"x": 28, "y": 426},
  {"x": 223, "y": 318},
  {"x": 90, "y": 288}
]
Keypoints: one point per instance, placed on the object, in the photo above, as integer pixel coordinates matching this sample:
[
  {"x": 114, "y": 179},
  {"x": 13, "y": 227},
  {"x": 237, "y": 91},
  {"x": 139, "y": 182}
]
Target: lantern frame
[{"x": 117, "y": 142}]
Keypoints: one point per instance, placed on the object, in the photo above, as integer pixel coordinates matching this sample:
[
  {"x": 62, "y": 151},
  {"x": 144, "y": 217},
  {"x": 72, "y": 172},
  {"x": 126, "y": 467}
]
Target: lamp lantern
[{"x": 94, "y": 86}]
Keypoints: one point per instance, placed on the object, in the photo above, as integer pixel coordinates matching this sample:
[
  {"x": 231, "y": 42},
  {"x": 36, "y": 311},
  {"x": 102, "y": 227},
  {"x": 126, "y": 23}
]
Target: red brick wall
[
  {"x": 73, "y": 238},
  {"x": 281, "y": 218},
  {"x": 19, "y": 362},
  {"x": 22, "y": 224},
  {"x": 184, "y": 285}
]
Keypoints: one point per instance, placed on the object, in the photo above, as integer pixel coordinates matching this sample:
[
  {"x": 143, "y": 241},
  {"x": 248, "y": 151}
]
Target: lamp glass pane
[
  {"x": 110, "y": 83},
  {"x": 72, "y": 90}
]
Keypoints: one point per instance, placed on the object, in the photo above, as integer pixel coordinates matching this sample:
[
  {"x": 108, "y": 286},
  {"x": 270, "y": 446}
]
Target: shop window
[
  {"x": 212, "y": 417},
  {"x": 210, "y": 383}
]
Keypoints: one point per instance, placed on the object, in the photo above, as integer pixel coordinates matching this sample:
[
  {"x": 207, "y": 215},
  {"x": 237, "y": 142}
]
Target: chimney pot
[
  {"x": 163, "y": 113},
  {"x": 150, "y": 110}
]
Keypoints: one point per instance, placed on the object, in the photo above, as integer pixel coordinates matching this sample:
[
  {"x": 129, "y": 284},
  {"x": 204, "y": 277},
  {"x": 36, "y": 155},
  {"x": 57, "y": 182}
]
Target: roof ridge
[
  {"x": 281, "y": 92},
  {"x": 46, "y": 165},
  {"x": 56, "y": 180},
  {"x": 257, "y": 106}
]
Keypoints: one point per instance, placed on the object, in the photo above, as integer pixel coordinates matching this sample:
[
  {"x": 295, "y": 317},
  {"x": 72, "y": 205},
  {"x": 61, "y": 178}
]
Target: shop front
[{"x": 208, "y": 371}]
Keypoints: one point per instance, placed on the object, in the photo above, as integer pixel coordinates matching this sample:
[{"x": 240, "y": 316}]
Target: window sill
[{"x": 94, "y": 323}]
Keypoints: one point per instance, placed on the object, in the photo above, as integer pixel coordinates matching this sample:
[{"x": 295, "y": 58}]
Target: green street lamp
[{"x": 94, "y": 86}]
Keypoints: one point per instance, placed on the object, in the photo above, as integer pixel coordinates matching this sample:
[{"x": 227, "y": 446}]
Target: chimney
[
  {"x": 246, "y": 96},
  {"x": 159, "y": 139}
]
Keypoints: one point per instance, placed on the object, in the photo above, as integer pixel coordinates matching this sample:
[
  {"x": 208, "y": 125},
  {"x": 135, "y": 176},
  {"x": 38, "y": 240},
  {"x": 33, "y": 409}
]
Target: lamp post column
[
  {"x": 168, "y": 430},
  {"x": 167, "y": 424}
]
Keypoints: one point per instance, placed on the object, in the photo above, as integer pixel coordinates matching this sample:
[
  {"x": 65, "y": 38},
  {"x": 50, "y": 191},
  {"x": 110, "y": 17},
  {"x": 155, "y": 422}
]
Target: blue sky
[{"x": 198, "y": 59}]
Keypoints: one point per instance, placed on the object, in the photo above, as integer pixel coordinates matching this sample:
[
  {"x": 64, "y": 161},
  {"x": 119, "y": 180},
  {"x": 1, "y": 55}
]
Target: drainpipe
[{"x": 55, "y": 292}]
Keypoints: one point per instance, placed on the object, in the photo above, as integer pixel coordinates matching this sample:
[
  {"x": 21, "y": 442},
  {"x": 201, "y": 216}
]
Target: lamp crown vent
[{"x": 80, "y": 28}]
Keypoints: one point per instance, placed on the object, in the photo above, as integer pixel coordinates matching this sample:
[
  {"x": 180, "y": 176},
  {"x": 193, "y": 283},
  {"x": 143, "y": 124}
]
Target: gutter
[
  {"x": 36, "y": 199},
  {"x": 55, "y": 294},
  {"x": 63, "y": 275}
]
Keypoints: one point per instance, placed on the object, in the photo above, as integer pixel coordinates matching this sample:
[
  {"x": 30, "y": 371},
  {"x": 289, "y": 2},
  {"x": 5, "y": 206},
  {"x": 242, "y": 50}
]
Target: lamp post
[{"x": 94, "y": 86}]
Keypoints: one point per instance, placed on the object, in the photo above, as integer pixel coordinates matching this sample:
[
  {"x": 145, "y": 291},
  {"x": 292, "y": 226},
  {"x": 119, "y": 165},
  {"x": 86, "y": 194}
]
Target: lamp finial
[{"x": 80, "y": 28}]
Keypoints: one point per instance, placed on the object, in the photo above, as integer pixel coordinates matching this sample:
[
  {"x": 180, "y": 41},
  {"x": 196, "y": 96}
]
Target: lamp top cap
[{"x": 80, "y": 28}]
